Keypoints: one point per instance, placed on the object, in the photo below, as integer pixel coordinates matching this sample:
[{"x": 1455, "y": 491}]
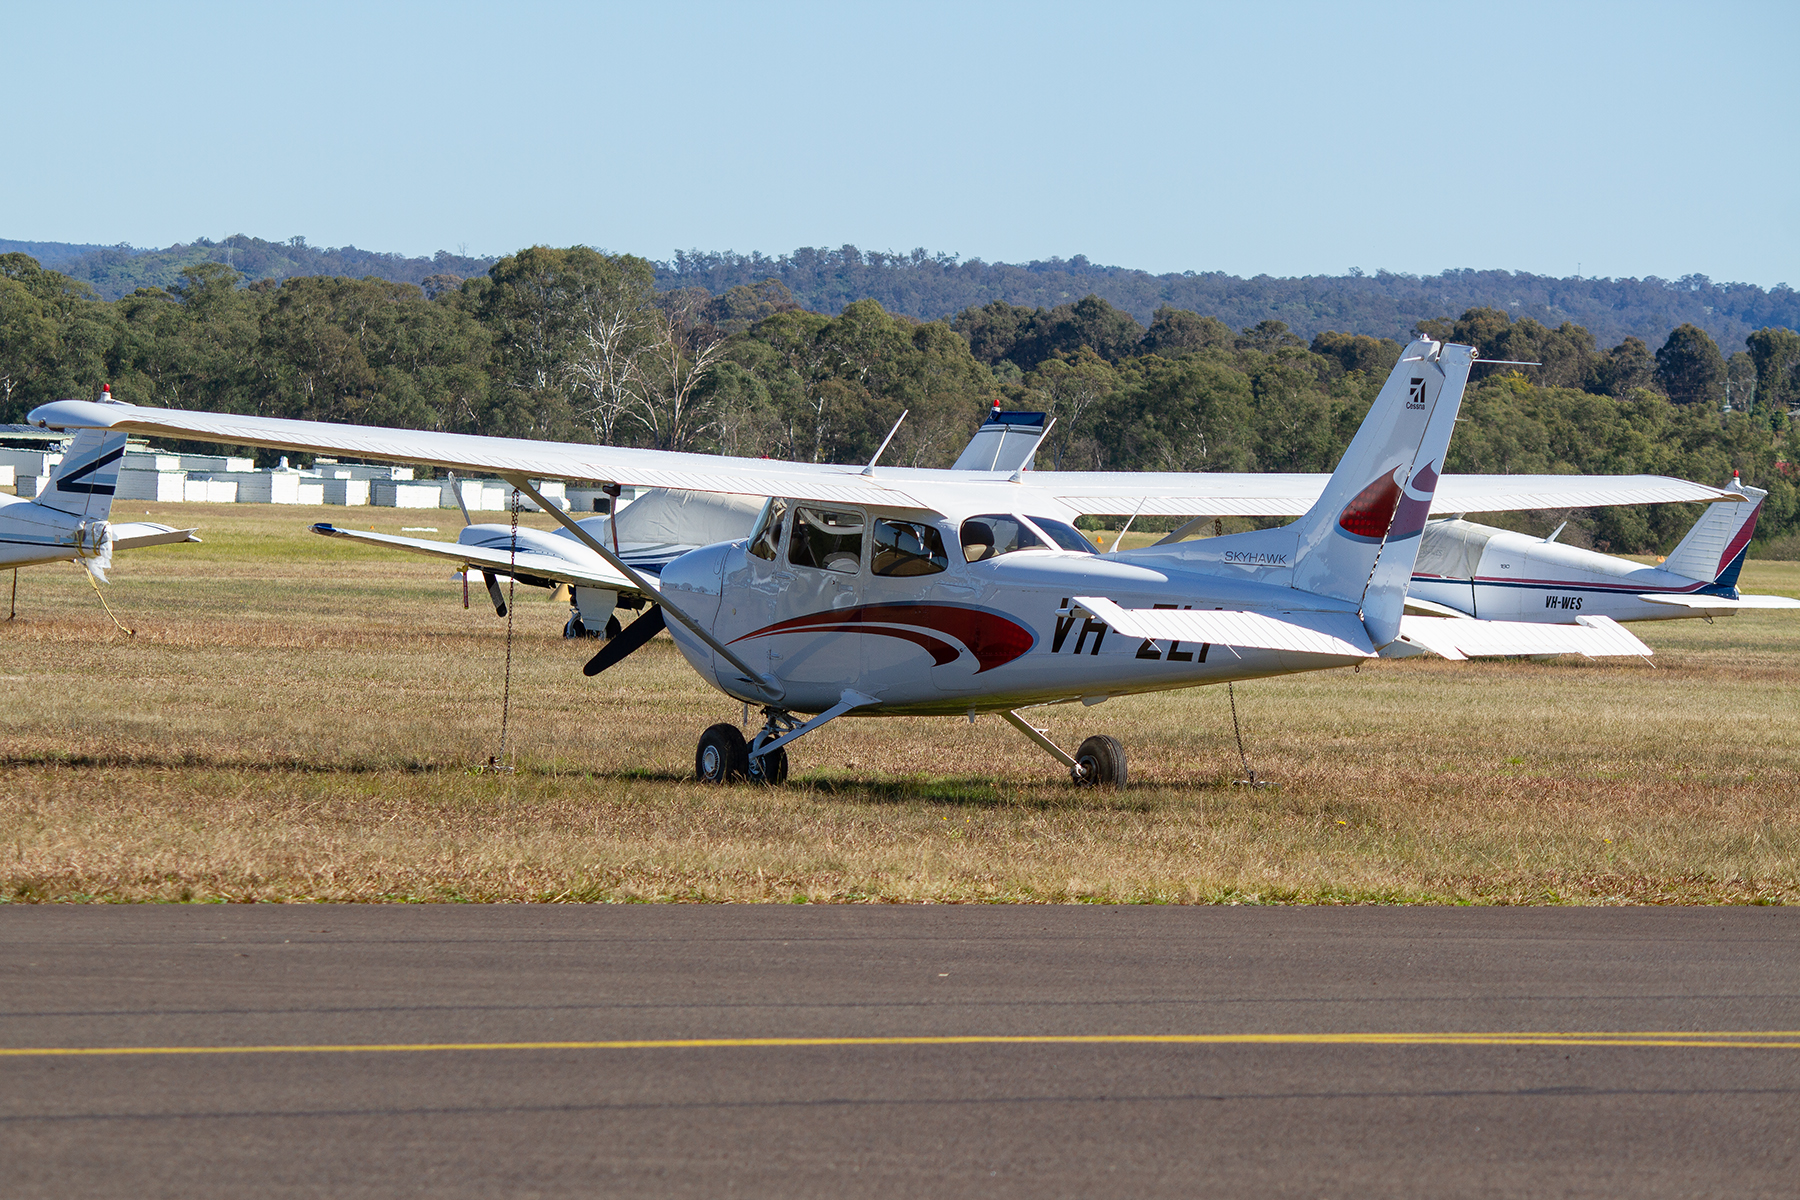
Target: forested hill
[
  {"x": 115, "y": 271},
  {"x": 937, "y": 286},
  {"x": 574, "y": 345}
]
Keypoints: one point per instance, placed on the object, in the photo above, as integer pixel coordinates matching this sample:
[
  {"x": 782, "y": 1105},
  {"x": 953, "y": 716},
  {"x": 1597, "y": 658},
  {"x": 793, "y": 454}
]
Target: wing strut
[{"x": 765, "y": 684}]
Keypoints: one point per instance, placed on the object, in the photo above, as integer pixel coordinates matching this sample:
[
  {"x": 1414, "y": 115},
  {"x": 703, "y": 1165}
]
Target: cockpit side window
[
  {"x": 766, "y": 542},
  {"x": 907, "y": 548},
  {"x": 1066, "y": 536},
  {"x": 993, "y": 534},
  {"x": 826, "y": 539}
]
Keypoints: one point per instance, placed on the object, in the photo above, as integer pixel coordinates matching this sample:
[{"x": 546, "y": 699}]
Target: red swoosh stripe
[{"x": 991, "y": 638}]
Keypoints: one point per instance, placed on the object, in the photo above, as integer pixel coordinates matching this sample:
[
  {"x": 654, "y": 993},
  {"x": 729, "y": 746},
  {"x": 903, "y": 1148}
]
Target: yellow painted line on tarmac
[{"x": 1742, "y": 1039}]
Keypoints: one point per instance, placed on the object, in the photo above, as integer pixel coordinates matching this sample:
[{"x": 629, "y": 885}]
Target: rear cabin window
[
  {"x": 827, "y": 539},
  {"x": 993, "y": 534},
  {"x": 906, "y": 548}
]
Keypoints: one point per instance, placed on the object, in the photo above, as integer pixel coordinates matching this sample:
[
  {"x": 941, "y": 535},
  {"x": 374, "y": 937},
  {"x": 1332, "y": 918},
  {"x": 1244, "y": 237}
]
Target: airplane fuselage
[
  {"x": 977, "y": 637},
  {"x": 31, "y": 534},
  {"x": 1498, "y": 575}
]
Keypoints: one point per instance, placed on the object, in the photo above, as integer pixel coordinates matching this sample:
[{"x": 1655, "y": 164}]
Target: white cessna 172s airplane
[
  {"x": 873, "y": 591},
  {"x": 1465, "y": 569},
  {"x": 1458, "y": 560},
  {"x": 68, "y": 521}
]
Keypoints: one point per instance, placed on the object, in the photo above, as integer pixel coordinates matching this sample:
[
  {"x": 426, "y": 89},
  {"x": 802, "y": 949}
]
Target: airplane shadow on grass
[{"x": 965, "y": 791}]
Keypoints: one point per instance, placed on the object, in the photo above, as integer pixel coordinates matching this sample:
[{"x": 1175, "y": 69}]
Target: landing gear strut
[
  {"x": 1100, "y": 761},
  {"x": 771, "y": 766},
  {"x": 764, "y": 757},
  {"x": 577, "y": 628}
]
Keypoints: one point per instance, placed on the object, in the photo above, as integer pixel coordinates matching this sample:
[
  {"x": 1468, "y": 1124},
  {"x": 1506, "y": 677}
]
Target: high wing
[
  {"x": 1221, "y": 494},
  {"x": 537, "y": 565},
  {"x": 1076, "y": 493}
]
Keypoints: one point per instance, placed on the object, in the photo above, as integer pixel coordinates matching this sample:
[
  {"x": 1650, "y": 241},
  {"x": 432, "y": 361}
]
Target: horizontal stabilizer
[
  {"x": 1718, "y": 604},
  {"x": 1337, "y": 634},
  {"x": 1595, "y": 637},
  {"x": 133, "y": 535},
  {"x": 526, "y": 562}
]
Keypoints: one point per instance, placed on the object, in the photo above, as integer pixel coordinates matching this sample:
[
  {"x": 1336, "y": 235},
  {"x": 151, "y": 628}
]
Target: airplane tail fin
[
  {"x": 82, "y": 485},
  {"x": 1359, "y": 541},
  {"x": 1007, "y": 441},
  {"x": 1713, "y": 550}
]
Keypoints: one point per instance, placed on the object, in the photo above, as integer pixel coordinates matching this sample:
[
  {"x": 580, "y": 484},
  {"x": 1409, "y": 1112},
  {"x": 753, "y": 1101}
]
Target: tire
[
  {"x": 613, "y": 628},
  {"x": 722, "y": 756},
  {"x": 575, "y": 629},
  {"x": 771, "y": 768},
  {"x": 1100, "y": 762}
]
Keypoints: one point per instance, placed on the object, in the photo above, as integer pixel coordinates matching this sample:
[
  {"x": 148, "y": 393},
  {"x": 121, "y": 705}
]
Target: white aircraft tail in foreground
[
  {"x": 68, "y": 521},
  {"x": 1476, "y": 570},
  {"x": 870, "y": 591}
]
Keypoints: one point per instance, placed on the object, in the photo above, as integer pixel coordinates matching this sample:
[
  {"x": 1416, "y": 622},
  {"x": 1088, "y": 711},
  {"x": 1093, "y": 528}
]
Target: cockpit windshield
[
  {"x": 1063, "y": 534},
  {"x": 993, "y": 534}
]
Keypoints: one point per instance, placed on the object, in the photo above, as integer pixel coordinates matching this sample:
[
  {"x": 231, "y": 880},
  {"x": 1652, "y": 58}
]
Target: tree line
[
  {"x": 572, "y": 344},
  {"x": 928, "y": 286}
]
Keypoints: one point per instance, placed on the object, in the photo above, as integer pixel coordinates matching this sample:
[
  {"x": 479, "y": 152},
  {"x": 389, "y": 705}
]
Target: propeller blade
[{"x": 635, "y": 635}]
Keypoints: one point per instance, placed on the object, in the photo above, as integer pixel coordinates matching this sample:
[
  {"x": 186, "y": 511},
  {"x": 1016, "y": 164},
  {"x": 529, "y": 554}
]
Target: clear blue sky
[{"x": 1614, "y": 139}]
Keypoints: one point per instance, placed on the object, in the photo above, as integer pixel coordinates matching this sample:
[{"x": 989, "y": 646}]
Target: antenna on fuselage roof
[
  {"x": 1128, "y": 521},
  {"x": 870, "y": 469}
]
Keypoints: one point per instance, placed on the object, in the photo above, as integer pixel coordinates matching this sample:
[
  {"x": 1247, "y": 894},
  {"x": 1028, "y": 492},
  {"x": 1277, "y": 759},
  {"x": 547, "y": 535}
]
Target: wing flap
[{"x": 1336, "y": 634}]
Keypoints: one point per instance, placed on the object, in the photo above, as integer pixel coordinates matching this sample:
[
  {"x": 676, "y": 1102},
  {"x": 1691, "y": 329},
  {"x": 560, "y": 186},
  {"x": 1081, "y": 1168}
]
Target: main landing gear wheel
[
  {"x": 770, "y": 768},
  {"x": 1100, "y": 762},
  {"x": 723, "y": 756}
]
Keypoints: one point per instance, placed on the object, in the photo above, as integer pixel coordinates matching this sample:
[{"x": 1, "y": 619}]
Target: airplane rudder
[
  {"x": 84, "y": 483},
  {"x": 1387, "y": 475},
  {"x": 1713, "y": 550}
]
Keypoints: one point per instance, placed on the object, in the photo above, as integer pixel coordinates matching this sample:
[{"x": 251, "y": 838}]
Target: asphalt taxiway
[{"x": 801, "y": 1051}]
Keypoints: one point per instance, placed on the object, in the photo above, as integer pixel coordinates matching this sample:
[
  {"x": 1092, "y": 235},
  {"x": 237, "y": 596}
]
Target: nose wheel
[{"x": 723, "y": 756}]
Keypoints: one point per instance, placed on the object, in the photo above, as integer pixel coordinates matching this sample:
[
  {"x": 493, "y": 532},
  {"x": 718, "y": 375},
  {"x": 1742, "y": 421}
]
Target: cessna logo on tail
[{"x": 1415, "y": 394}]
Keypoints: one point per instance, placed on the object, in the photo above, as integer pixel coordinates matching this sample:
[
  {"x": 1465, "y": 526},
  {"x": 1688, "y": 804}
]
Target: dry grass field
[{"x": 300, "y": 719}]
